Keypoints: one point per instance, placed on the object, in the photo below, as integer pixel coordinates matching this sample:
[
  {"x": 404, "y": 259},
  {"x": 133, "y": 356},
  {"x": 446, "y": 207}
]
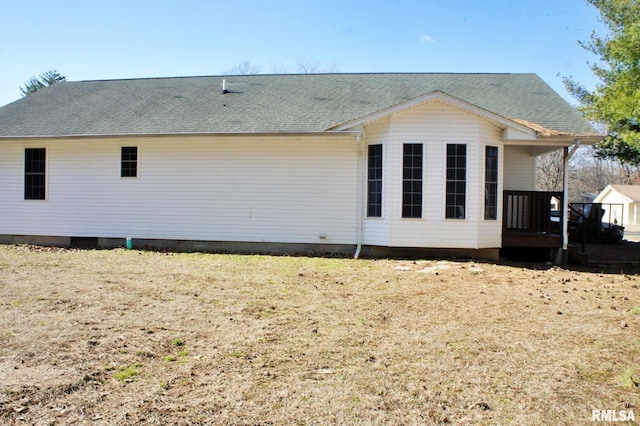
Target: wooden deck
[{"x": 527, "y": 219}]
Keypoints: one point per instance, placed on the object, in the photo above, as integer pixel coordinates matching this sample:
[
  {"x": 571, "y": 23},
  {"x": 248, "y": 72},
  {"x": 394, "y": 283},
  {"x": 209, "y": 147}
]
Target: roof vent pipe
[{"x": 224, "y": 86}]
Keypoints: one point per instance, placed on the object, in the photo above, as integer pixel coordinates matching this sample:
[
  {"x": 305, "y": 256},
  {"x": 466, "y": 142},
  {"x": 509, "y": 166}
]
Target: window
[
  {"x": 491, "y": 183},
  {"x": 35, "y": 160},
  {"x": 412, "y": 180},
  {"x": 129, "y": 161},
  {"x": 374, "y": 181},
  {"x": 456, "y": 181}
]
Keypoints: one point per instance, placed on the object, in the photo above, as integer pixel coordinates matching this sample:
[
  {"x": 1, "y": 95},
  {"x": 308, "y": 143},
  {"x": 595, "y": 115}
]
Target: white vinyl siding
[
  {"x": 490, "y": 231},
  {"x": 519, "y": 169},
  {"x": 248, "y": 189},
  {"x": 434, "y": 124},
  {"x": 377, "y": 230}
]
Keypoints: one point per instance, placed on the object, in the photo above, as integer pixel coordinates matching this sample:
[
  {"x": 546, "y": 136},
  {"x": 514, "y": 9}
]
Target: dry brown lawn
[{"x": 129, "y": 337}]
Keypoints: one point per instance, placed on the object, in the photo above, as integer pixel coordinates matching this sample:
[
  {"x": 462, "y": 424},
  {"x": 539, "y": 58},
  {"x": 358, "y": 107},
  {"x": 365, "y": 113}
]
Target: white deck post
[{"x": 568, "y": 153}]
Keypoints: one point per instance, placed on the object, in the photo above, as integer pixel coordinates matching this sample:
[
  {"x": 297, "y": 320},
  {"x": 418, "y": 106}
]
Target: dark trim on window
[
  {"x": 35, "y": 173},
  {"x": 491, "y": 183},
  {"x": 374, "y": 181},
  {"x": 129, "y": 161},
  {"x": 456, "y": 189},
  {"x": 412, "y": 180}
]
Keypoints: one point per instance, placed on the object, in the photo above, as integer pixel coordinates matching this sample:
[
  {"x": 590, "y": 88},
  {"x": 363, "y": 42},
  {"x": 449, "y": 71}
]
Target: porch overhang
[
  {"x": 544, "y": 139},
  {"x": 542, "y": 145}
]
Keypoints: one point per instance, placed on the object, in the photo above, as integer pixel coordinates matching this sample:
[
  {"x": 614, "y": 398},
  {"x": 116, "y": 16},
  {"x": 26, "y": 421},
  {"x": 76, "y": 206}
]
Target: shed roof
[
  {"x": 632, "y": 192},
  {"x": 286, "y": 103}
]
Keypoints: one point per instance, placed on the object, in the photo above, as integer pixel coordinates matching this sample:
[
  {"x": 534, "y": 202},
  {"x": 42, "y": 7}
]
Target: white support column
[{"x": 568, "y": 153}]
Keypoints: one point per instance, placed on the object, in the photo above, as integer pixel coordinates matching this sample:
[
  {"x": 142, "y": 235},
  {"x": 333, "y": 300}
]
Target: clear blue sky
[{"x": 87, "y": 40}]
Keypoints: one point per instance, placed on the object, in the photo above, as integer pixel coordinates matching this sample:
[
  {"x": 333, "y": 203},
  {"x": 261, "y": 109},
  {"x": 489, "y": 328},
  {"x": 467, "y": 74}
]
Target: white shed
[{"x": 625, "y": 204}]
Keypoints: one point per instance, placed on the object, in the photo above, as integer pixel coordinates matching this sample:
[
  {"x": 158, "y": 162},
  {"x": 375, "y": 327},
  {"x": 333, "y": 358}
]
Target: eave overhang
[{"x": 352, "y": 133}]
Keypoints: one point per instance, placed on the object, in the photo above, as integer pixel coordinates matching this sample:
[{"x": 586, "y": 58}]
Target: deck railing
[{"x": 532, "y": 212}]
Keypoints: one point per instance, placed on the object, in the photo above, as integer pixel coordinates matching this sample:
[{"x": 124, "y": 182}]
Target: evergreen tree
[
  {"x": 45, "y": 79},
  {"x": 615, "y": 102}
]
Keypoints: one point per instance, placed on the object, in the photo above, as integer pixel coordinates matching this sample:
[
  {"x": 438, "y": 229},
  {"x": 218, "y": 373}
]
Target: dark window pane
[
  {"x": 451, "y": 174},
  {"x": 406, "y": 173},
  {"x": 450, "y": 212}
]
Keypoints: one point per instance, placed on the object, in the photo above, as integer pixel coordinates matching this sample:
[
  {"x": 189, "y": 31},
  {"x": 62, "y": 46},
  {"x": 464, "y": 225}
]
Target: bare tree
[
  {"x": 308, "y": 66},
  {"x": 589, "y": 173},
  {"x": 281, "y": 69},
  {"x": 549, "y": 174},
  {"x": 305, "y": 66},
  {"x": 302, "y": 66},
  {"x": 243, "y": 68}
]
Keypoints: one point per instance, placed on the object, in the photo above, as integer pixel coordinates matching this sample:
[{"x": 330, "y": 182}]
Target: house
[
  {"x": 621, "y": 204},
  {"x": 346, "y": 163}
]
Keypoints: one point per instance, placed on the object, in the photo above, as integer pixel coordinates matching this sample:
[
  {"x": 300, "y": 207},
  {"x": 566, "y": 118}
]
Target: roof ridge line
[{"x": 184, "y": 77}]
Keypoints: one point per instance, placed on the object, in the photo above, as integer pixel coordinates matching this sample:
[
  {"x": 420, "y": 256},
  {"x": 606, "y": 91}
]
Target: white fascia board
[
  {"x": 559, "y": 141},
  {"x": 603, "y": 194},
  {"x": 542, "y": 142},
  {"x": 511, "y": 133},
  {"x": 505, "y": 123}
]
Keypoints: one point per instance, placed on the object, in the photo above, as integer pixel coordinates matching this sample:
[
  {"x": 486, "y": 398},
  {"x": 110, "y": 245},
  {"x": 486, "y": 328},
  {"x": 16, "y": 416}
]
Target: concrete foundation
[
  {"x": 430, "y": 253},
  {"x": 343, "y": 250}
]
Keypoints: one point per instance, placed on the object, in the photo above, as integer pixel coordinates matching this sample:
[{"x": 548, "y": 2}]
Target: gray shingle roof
[
  {"x": 630, "y": 191},
  {"x": 268, "y": 103}
]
